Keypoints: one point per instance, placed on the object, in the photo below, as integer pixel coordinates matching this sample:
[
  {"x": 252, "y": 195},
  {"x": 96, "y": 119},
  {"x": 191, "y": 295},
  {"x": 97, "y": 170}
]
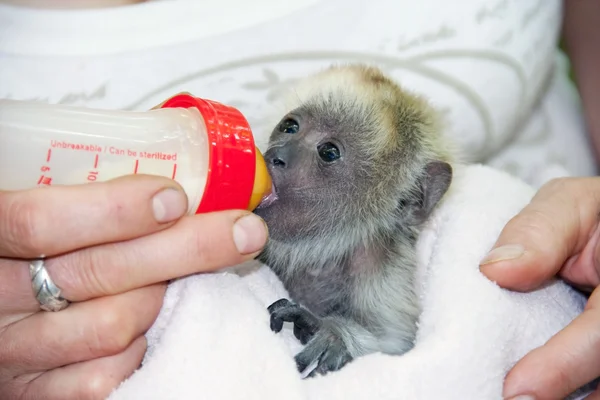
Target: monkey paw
[
  {"x": 306, "y": 324},
  {"x": 327, "y": 349}
]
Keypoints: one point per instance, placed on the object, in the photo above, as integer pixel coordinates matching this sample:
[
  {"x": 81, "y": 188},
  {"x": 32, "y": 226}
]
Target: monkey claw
[
  {"x": 306, "y": 324},
  {"x": 323, "y": 345}
]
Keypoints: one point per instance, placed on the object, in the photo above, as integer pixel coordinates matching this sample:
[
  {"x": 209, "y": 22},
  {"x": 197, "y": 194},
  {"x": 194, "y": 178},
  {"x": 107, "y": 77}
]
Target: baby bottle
[{"x": 205, "y": 146}]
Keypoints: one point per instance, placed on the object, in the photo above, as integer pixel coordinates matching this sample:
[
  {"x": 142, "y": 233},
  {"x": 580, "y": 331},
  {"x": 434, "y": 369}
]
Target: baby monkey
[{"x": 358, "y": 165}]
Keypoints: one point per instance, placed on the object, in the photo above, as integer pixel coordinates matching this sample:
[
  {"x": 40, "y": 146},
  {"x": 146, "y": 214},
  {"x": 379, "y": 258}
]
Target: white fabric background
[{"x": 490, "y": 65}]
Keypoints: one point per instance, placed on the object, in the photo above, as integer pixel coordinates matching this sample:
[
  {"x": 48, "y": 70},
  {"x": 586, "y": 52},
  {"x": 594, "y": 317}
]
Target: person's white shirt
[{"x": 491, "y": 66}]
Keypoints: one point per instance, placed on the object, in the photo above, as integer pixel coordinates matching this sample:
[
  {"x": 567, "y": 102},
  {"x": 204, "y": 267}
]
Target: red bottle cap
[{"x": 232, "y": 158}]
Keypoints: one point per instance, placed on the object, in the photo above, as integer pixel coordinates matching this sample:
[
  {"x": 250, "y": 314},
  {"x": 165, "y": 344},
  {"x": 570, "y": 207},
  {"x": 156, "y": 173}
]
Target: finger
[
  {"x": 535, "y": 244},
  {"x": 94, "y": 379},
  {"x": 36, "y": 222},
  {"x": 594, "y": 396},
  {"x": 195, "y": 244},
  {"x": 202, "y": 243},
  {"x": 97, "y": 328},
  {"x": 582, "y": 269},
  {"x": 16, "y": 291},
  {"x": 569, "y": 360}
]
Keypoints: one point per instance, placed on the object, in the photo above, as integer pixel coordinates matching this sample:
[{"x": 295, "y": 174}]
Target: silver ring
[{"x": 46, "y": 292}]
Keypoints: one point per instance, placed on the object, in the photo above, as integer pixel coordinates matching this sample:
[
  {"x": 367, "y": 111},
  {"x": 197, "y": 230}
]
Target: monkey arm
[{"x": 331, "y": 341}]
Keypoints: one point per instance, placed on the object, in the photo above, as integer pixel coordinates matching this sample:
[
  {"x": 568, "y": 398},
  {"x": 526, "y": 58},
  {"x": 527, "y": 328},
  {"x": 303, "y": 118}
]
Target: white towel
[{"x": 212, "y": 339}]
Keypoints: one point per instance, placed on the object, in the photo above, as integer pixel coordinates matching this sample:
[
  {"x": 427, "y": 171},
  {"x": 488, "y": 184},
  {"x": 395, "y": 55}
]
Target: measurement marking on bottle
[
  {"x": 45, "y": 178},
  {"x": 96, "y": 161},
  {"x": 137, "y": 164},
  {"x": 174, "y": 171},
  {"x": 92, "y": 176}
]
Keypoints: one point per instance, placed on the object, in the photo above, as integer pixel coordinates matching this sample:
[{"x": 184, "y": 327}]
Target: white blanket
[{"x": 212, "y": 339}]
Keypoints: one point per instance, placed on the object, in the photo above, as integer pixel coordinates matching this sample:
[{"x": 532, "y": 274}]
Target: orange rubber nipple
[{"x": 262, "y": 182}]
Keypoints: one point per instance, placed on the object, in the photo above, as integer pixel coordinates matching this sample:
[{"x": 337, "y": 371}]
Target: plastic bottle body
[{"x": 43, "y": 144}]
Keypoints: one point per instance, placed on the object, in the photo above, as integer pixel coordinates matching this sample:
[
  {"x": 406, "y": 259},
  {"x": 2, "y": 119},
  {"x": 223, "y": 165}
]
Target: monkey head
[{"x": 354, "y": 156}]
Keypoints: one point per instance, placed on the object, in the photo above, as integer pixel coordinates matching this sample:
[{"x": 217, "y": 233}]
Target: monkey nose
[
  {"x": 278, "y": 162},
  {"x": 277, "y": 157}
]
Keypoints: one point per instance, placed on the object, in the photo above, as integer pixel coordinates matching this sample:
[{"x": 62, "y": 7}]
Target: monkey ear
[{"x": 433, "y": 186}]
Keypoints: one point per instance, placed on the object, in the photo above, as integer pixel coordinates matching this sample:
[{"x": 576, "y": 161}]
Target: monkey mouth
[{"x": 269, "y": 199}]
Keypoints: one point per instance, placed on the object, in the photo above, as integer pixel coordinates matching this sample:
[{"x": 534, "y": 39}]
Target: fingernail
[
  {"x": 506, "y": 252},
  {"x": 522, "y": 397},
  {"x": 169, "y": 205},
  {"x": 249, "y": 234}
]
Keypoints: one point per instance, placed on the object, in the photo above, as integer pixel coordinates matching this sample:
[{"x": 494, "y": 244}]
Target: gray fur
[{"x": 343, "y": 235}]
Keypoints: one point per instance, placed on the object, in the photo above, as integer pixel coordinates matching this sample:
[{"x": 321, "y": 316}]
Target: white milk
[{"x": 43, "y": 144}]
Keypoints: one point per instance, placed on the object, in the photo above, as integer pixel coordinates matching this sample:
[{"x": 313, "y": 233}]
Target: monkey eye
[
  {"x": 288, "y": 125},
  {"x": 328, "y": 152}
]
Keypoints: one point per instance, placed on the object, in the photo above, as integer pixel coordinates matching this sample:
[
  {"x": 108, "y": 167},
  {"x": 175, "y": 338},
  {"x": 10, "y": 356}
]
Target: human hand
[
  {"x": 110, "y": 247},
  {"x": 556, "y": 234}
]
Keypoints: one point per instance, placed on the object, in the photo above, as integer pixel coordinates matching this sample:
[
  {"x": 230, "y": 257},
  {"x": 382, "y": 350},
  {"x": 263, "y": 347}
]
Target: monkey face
[
  {"x": 316, "y": 175},
  {"x": 355, "y": 154}
]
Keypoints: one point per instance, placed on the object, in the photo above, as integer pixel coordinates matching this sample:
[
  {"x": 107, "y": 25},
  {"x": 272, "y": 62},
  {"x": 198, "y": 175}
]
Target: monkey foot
[
  {"x": 327, "y": 349},
  {"x": 305, "y": 323},
  {"x": 322, "y": 337}
]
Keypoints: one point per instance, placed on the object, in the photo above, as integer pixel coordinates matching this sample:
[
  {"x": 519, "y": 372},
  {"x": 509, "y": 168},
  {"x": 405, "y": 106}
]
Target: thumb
[{"x": 550, "y": 231}]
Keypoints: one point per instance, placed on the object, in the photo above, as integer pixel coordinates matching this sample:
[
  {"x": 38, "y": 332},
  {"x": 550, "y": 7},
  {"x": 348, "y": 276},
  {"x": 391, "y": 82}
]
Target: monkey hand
[
  {"x": 306, "y": 324},
  {"x": 323, "y": 337}
]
